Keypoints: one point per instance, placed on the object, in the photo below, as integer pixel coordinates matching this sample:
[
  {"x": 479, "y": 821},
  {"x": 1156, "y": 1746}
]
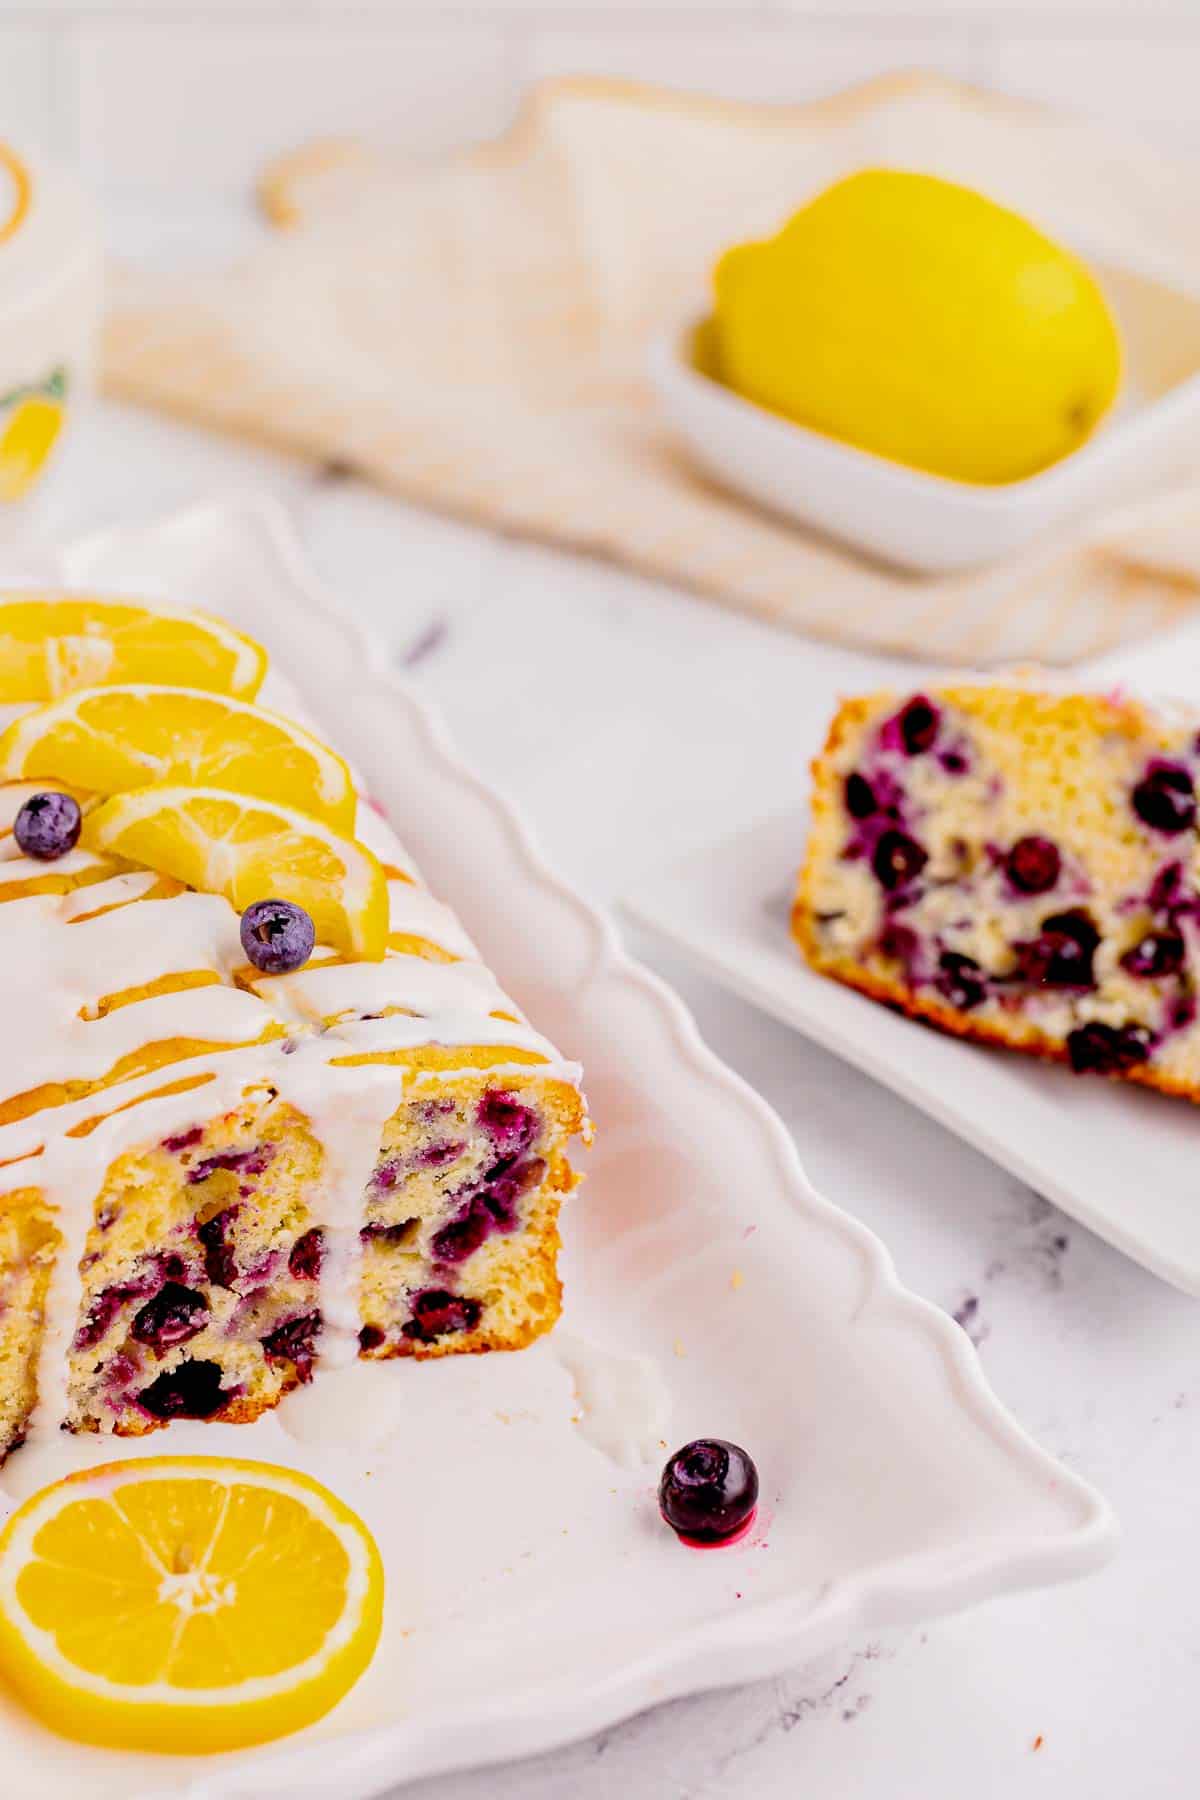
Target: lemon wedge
[
  {"x": 111, "y": 739},
  {"x": 186, "y": 1603},
  {"x": 26, "y": 442},
  {"x": 52, "y": 643},
  {"x": 249, "y": 850}
]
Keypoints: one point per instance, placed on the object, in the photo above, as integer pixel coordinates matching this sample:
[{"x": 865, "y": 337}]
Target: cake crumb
[
  {"x": 678, "y": 1348},
  {"x": 736, "y": 1280},
  {"x": 1038, "y": 1741}
]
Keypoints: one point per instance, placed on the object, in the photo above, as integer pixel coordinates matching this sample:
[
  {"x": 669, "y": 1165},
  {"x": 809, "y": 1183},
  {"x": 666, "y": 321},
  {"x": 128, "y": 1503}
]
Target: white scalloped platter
[{"x": 533, "y": 1594}]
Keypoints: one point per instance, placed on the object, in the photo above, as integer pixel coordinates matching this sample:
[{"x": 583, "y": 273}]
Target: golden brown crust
[{"x": 242, "y": 1411}]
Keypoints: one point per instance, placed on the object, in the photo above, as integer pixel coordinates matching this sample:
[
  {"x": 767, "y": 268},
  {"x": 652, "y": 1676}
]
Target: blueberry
[
  {"x": 402, "y": 1232},
  {"x": 463, "y": 1236},
  {"x": 220, "y": 1263},
  {"x": 192, "y": 1391},
  {"x": 277, "y": 936},
  {"x": 505, "y": 1188},
  {"x": 708, "y": 1490},
  {"x": 293, "y": 1342},
  {"x": 305, "y": 1260},
  {"x": 101, "y": 1313},
  {"x": 436, "y": 1156},
  {"x": 370, "y": 1337},
  {"x": 436, "y": 1313},
  {"x": 1158, "y": 953},
  {"x": 1033, "y": 865},
  {"x": 387, "y": 1174},
  {"x": 860, "y": 797},
  {"x": 243, "y": 1162},
  {"x": 914, "y": 728},
  {"x": 1061, "y": 955},
  {"x": 186, "y": 1140},
  {"x": 47, "y": 826},
  {"x": 511, "y": 1126},
  {"x": 897, "y": 860},
  {"x": 1097, "y": 1049},
  {"x": 175, "y": 1314},
  {"x": 960, "y": 980},
  {"x": 1165, "y": 798},
  {"x": 901, "y": 945}
]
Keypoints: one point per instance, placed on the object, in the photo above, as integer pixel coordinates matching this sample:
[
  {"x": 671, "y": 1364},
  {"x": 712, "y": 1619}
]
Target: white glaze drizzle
[{"x": 57, "y": 963}]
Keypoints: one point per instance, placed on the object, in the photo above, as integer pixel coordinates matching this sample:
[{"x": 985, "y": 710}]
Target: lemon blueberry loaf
[
  {"x": 262, "y": 1107},
  {"x": 1017, "y": 867}
]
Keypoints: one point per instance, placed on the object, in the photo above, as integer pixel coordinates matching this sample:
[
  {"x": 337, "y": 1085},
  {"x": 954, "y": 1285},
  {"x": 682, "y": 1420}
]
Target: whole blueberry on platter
[
  {"x": 277, "y": 936},
  {"x": 47, "y": 826},
  {"x": 708, "y": 1491}
]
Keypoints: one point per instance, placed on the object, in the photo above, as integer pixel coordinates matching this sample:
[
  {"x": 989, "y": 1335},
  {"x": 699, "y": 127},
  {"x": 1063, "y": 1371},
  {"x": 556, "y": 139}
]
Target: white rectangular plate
[
  {"x": 1120, "y": 1160},
  {"x": 533, "y": 1593}
]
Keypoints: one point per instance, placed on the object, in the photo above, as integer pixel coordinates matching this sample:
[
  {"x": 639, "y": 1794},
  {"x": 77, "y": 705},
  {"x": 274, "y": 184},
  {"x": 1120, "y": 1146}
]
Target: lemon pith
[
  {"x": 186, "y": 1603},
  {"x": 112, "y": 739},
  {"x": 53, "y": 643},
  {"x": 249, "y": 850},
  {"x": 916, "y": 319}
]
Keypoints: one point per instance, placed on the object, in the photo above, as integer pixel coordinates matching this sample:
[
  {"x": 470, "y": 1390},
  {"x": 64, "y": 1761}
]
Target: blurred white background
[{"x": 186, "y": 97}]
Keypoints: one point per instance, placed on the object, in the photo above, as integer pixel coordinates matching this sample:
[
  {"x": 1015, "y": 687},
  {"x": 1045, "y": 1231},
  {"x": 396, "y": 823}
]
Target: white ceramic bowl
[
  {"x": 50, "y": 292},
  {"x": 926, "y": 522}
]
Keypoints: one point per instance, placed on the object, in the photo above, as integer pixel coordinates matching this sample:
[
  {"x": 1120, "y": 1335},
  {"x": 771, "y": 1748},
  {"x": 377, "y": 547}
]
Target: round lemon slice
[
  {"x": 53, "y": 643},
  {"x": 249, "y": 850},
  {"x": 186, "y": 1603},
  {"x": 111, "y": 739}
]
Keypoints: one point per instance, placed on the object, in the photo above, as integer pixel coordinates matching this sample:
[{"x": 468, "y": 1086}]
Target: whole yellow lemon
[{"x": 916, "y": 319}]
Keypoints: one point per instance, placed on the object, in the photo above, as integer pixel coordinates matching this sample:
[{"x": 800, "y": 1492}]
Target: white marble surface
[{"x": 632, "y": 723}]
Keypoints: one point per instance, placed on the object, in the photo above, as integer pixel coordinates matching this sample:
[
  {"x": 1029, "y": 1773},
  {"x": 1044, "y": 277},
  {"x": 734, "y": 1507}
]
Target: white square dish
[
  {"x": 533, "y": 1595},
  {"x": 923, "y": 521}
]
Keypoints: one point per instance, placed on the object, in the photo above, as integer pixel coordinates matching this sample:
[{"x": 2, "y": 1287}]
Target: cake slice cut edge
[{"x": 1017, "y": 866}]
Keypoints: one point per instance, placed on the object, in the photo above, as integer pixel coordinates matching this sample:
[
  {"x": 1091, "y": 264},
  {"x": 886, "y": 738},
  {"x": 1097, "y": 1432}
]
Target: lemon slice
[
  {"x": 251, "y": 850},
  {"x": 186, "y": 1603},
  {"x": 52, "y": 643},
  {"x": 111, "y": 739}
]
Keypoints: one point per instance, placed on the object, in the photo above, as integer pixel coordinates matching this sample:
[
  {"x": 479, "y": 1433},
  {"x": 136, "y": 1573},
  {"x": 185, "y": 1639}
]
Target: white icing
[
  {"x": 624, "y": 1403},
  {"x": 57, "y": 963}
]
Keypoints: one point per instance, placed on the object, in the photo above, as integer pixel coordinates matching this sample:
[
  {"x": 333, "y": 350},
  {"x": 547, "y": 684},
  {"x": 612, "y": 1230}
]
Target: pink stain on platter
[
  {"x": 726, "y": 1543},
  {"x": 753, "y": 1534}
]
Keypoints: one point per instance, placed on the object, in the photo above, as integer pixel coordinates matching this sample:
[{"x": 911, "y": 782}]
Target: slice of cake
[
  {"x": 1018, "y": 867},
  {"x": 219, "y": 1172}
]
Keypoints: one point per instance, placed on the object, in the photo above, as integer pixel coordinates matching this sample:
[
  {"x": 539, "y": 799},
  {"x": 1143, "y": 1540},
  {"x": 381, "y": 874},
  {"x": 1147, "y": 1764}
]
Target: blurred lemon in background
[
  {"x": 29, "y": 433},
  {"x": 916, "y": 319}
]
